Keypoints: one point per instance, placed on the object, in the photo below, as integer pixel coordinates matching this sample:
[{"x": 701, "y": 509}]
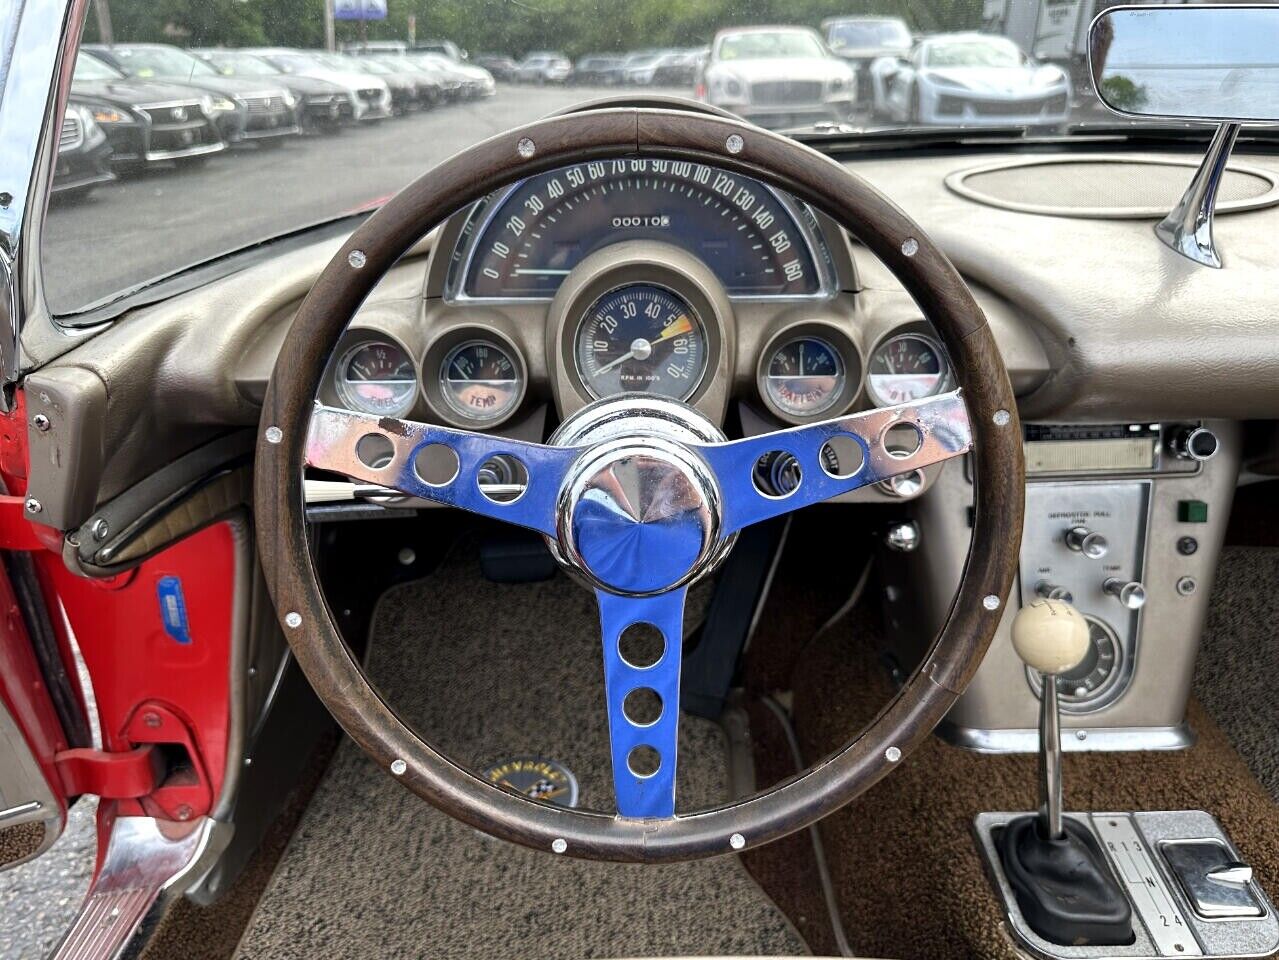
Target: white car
[
  {"x": 969, "y": 79},
  {"x": 544, "y": 67},
  {"x": 777, "y": 77},
  {"x": 475, "y": 81},
  {"x": 370, "y": 96}
]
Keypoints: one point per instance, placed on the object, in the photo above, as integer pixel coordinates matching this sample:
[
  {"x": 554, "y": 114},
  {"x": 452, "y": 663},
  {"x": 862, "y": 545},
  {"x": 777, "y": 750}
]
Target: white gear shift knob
[{"x": 1051, "y": 636}]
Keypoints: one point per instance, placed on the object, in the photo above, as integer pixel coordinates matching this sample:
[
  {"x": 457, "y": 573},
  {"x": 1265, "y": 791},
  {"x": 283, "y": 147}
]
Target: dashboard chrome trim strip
[{"x": 1099, "y": 739}]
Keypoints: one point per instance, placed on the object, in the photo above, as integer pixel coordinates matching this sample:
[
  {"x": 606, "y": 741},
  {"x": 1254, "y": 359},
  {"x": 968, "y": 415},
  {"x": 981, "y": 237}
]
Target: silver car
[{"x": 777, "y": 77}]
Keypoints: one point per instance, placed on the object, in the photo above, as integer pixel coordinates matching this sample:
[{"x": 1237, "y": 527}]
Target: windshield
[
  {"x": 972, "y": 53},
  {"x": 863, "y": 34},
  {"x": 167, "y": 62},
  {"x": 274, "y": 132},
  {"x": 768, "y": 46}
]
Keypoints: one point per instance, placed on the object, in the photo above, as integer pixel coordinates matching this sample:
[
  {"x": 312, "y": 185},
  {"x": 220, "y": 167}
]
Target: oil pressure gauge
[
  {"x": 905, "y": 368},
  {"x": 804, "y": 373}
]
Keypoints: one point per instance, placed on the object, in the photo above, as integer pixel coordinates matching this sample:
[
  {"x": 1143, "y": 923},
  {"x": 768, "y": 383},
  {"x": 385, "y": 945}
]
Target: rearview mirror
[{"x": 1216, "y": 63}]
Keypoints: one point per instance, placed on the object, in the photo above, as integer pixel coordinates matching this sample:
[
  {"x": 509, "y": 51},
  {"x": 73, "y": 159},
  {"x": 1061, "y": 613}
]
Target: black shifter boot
[{"x": 1064, "y": 887}]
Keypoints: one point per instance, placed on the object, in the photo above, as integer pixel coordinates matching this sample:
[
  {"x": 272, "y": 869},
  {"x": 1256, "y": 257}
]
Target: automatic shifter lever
[{"x": 1064, "y": 886}]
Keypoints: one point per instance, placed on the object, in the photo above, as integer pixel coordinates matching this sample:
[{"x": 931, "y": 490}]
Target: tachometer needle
[{"x": 641, "y": 349}]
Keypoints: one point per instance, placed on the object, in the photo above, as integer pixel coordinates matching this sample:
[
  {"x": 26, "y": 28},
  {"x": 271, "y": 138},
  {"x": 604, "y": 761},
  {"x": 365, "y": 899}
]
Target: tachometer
[
  {"x": 641, "y": 338},
  {"x": 526, "y": 242},
  {"x": 377, "y": 376},
  {"x": 907, "y": 367}
]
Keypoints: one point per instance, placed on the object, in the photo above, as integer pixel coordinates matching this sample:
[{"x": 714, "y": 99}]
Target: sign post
[{"x": 360, "y": 10}]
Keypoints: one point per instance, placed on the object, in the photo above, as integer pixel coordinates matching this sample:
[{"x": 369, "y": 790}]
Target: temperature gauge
[
  {"x": 907, "y": 367},
  {"x": 481, "y": 382},
  {"x": 805, "y": 377}
]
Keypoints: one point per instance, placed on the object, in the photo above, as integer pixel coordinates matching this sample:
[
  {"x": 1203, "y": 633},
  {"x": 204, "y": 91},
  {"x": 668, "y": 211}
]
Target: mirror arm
[{"x": 1188, "y": 228}]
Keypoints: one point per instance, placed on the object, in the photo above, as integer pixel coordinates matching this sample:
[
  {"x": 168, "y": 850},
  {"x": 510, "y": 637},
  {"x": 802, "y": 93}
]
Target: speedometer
[
  {"x": 641, "y": 338},
  {"x": 524, "y": 243}
]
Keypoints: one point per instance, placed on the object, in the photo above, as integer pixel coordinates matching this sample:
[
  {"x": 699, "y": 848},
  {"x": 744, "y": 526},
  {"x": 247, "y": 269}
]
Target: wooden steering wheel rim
[{"x": 928, "y": 276}]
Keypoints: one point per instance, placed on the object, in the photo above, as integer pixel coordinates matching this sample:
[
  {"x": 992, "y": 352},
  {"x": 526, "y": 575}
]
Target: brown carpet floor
[{"x": 903, "y": 859}]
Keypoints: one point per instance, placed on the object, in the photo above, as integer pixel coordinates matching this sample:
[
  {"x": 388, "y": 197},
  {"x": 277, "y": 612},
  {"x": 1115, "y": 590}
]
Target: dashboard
[{"x": 635, "y": 275}]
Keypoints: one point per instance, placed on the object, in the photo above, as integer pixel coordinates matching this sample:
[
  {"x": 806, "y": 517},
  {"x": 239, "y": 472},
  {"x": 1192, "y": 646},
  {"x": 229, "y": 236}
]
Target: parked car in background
[
  {"x": 359, "y": 48},
  {"x": 404, "y": 86},
  {"x": 599, "y": 69},
  {"x": 244, "y": 108},
  {"x": 678, "y": 68},
  {"x": 971, "y": 79},
  {"x": 475, "y": 81},
  {"x": 777, "y": 77},
  {"x": 502, "y": 67},
  {"x": 861, "y": 41},
  {"x": 145, "y": 121},
  {"x": 84, "y": 153},
  {"x": 322, "y": 104},
  {"x": 370, "y": 94},
  {"x": 429, "y": 83},
  {"x": 544, "y": 67},
  {"x": 640, "y": 66},
  {"x": 443, "y": 71},
  {"x": 445, "y": 48}
]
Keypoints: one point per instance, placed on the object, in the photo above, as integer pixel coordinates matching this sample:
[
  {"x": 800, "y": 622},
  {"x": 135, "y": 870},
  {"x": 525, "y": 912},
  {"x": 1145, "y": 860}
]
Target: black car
[
  {"x": 145, "y": 121},
  {"x": 244, "y": 108},
  {"x": 84, "y": 153},
  {"x": 503, "y": 68},
  {"x": 678, "y": 69},
  {"x": 321, "y": 105}
]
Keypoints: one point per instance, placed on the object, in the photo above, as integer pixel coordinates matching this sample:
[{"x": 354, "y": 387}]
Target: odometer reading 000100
[
  {"x": 641, "y": 338},
  {"x": 549, "y": 223}
]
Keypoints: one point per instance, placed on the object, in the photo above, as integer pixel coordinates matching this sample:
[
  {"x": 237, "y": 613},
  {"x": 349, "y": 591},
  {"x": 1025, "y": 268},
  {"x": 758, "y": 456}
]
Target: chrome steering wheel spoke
[
  {"x": 931, "y": 431},
  {"x": 439, "y": 463},
  {"x": 643, "y": 698}
]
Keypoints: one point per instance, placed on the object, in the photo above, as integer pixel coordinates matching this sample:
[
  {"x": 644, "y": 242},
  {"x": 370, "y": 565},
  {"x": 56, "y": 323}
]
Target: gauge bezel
[
  {"x": 374, "y": 338},
  {"x": 920, "y": 331},
  {"x": 834, "y": 337},
  {"x": 585, "y": 315},
  {"x": 444, "y": 347}
]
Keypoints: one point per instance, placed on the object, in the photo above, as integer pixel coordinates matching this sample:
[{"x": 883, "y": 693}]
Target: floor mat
[
  {"x": 912, "y": 834},
  {"x": 1237, "y": 675},
  {"x": 491, "y": 672}
]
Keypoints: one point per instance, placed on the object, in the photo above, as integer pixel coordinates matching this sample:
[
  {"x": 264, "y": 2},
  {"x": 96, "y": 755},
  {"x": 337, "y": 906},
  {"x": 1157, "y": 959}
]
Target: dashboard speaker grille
[{"x": 1105, "y": 187}]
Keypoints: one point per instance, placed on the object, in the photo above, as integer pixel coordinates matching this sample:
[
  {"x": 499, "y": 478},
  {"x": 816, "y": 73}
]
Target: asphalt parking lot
[{"x": 135, "y": 229}]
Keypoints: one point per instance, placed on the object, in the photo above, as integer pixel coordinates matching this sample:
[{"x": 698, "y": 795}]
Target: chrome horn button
[{"x": 639, "y": 512}]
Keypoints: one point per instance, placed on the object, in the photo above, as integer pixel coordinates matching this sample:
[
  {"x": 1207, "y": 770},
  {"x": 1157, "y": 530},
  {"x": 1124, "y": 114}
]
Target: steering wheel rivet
[
  {"x": 734, "y": 143},
  {"x": 293, "y": 619},
  {"x": 910, "y": 246},
  {"x": 357, "y": 259},
  {"x": 274, "y": 434},
  {"x": 892, "y": 754},
  {"x": 559, "y": 845},
  {"x": 398, "y": 767},
  {"x": 737, "y": 841},
  {"x": 990, "y": 602},
  {"x": 1001, "y": 418},
  {"x": 526, "y": 148}
]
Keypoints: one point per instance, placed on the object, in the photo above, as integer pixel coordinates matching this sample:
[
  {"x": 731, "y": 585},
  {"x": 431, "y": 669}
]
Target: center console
[{"x": 1125, "y": 521}]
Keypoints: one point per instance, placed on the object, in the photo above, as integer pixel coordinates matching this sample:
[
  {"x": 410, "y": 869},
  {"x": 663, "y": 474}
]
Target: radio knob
[
  {"x": 1194, "y": 443},
  {"x": 1052, "y": 591},
  {"x": 1130, "y": 594},
  {"x": 1091, "y": 544}
]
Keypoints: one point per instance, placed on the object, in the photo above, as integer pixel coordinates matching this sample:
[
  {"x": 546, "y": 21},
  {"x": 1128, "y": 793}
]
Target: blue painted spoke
[
  {"x": 944, "y": 432},
  {"x": 653, "y": 795},
  {"x": 334, "y": 443}
]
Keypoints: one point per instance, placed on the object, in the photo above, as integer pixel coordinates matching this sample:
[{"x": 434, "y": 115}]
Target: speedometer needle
[{"x": 640, "y": 349}]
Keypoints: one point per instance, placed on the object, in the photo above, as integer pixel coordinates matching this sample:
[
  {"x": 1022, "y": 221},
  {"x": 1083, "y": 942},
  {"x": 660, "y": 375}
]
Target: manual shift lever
[
  {"x": 1052, "y": 638},
  {"x": 1064, "y": 887}
]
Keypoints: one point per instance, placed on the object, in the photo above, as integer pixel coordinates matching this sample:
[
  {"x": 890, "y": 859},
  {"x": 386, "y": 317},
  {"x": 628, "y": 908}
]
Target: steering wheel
[{"x": 638, "y": 496}]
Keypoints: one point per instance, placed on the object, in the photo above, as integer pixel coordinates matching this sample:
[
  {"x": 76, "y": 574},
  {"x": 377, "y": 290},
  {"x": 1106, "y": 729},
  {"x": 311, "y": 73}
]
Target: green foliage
[
  {"x": 1123, "y": 92},
  {"x": 507, "y": 26}
]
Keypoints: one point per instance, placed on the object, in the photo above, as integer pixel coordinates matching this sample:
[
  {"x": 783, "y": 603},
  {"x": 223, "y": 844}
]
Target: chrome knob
[
  {"x": 1091, "y": 544},
  {"x": 1195, "y": 443},
  {"x": 903, "y": 537},
  {"x": 1052, "y": 591},
  {"x": 1130, "y": 594}
]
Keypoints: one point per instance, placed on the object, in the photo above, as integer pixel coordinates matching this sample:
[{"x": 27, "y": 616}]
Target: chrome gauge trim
[
  {"x": 769, "y": 379},
  {"x": 699, "y": 328},
  {"x": 443, "y": 349},
  {"x": 482, "y": 213},
  {"x": 945, "y": 380},
  {"x": 342, "y": 385},
  {"x": 518, "y": 381},
  {"x": 834, "y": 337}
]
